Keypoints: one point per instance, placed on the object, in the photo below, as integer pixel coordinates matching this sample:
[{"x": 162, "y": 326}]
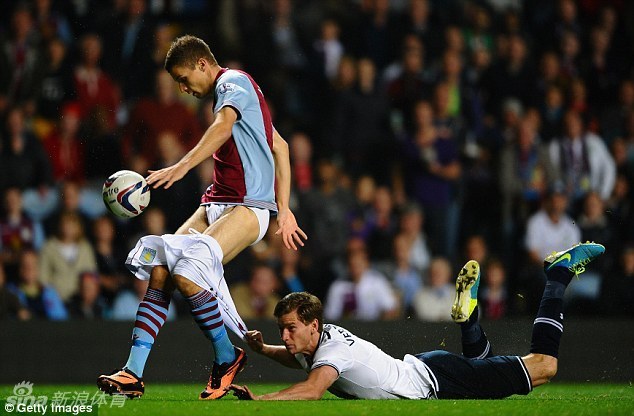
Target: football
[{"x": 126, "y": 193}]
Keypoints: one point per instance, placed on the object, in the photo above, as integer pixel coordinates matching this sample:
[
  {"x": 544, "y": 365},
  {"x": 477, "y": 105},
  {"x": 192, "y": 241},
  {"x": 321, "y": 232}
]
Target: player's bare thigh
[
  {"x": 198, "y": 221},
  {"x": 236, "y": 229}
]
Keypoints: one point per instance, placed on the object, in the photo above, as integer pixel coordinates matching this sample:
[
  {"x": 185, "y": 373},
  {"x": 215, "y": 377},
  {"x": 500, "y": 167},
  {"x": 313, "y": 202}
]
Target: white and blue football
[{"x": 126, "y": 193}]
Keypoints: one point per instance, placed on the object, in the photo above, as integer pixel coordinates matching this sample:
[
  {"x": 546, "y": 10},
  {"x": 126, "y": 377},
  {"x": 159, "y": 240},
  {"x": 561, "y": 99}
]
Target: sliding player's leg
[
  {"x": 501, "y": 376},
  {"x": 465, "y": 312},
  {"x": 548, "y": 327}
]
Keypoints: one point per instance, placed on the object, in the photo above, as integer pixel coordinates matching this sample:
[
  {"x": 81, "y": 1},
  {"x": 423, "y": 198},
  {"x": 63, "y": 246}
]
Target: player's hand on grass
[
  {"x": 166, "y": 176},
  {"x": 255, "y": 341},
  {"x": 241, "y": 392},
  {"x": 291, "y": 234}
]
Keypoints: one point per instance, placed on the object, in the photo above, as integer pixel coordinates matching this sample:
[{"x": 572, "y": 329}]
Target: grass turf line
[{"x": 181, "y": 399}]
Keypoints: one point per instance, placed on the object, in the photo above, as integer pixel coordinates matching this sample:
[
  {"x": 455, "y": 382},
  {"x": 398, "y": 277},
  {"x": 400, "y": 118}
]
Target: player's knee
[
  {"x": 186, "y": 286},
  {"x": 160, "y": 279}
]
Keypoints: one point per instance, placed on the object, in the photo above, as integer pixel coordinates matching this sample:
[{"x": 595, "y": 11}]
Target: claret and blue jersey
[{"x": 244, "y": 172}]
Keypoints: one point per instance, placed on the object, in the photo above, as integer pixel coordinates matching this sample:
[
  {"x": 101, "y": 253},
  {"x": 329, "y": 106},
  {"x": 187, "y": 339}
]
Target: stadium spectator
[
  {"x": 23, "y": 161},
  {"x": 20, "y": 62},
  {"x": 88, "y": 303},
  {"x": 411, "y": 228},
  {"x": 360, "y": 214},
  {"x": 94, "y": 87},
  {"x": 478, "y": 33},
  {"x": 103, "y": 148},
  {"x": 291, "y": 270},
  {"x": 129, "y": 46},
  {"x": 361, "y": 127},
  {"x": 364, "y": 294},
  {"x": 494, "y": 297},
  {"x": 110, "y": 254},
  {"x": 525, "y": 172},
  {"x": 431, "y": 170},
  {"x": 41, "y": 299},
  {"x": 51, "y": 24},
  {"x": 18, "y": 232},
  {"x": 257, "y": 297},
  {"x": 549, "y": 75},
  {"x": 175, "y": 202},
  {"x": 10, "y": 305},
  {"x": 621, "y": 209},
  {"x": 433, "y": 301},
  {"x": 57, "y": 86},
  {"x": 476, "y": 248},
  {"x": 617, "y": 292},
  {"x": 613, "y": 117},
  {"x": 379, "y": 33},
  {"x": 66, "y": 146},
  {"x": 382, "y": 225},
  {"x": 410, "y": 86},
  {"x": 512, "y": 77},
  {"x": 152, "y": 117},
  {"x": 552, "y": 110},
  {"x": 301, "y": 153},
  {"x": 421, "y": 21},
  {"x": 582, "y": 161},
  {"x": 601, "y": 68},
  {"x": 70, "y": 194},
  {"x": 325, "y": 210},
  {"x": 65, "y": 256},
  {"x": 570, "y": 49},
  {"x": 405, "y": 278}
]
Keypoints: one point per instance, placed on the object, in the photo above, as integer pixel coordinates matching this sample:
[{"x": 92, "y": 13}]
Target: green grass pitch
[{"x": 178, "y": 399}]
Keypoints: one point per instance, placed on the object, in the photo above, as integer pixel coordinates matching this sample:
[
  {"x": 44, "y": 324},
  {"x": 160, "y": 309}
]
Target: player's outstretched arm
[
  {"x": 313, "y": 388},
  {"x": 215, "y": 136},
  {"x": 291, "y": 234},
  {"x": 274, "y": 352}
]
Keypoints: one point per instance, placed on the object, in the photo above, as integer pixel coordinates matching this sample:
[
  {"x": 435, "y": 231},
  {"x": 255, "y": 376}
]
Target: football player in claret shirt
[
  {"x": 251, "y": 182},
  {"x": 350, "y": 367}
]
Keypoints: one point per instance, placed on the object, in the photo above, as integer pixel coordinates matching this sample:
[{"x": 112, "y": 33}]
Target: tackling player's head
[
  {"x": 190, "y": 62},
  {"x": 307, "y": 306}
]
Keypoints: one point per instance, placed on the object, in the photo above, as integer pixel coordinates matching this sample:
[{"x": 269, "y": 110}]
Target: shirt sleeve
[
  {"x": 229, "y": 93},
  {"x": 334, "y": 354}
]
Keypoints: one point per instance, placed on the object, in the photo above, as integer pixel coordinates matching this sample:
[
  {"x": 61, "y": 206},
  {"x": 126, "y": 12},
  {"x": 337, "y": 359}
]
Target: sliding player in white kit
[
  {"x": 251, "y": 182},
  {"x": 350, "y": 367}
]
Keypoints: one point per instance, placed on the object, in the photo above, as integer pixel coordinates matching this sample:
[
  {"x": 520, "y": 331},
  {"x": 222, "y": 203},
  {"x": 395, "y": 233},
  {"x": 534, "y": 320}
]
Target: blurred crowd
[{"x": 423, "y": 133}]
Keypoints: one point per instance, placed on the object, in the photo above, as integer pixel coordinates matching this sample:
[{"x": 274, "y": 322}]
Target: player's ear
[{"x": 201, "y": 64}]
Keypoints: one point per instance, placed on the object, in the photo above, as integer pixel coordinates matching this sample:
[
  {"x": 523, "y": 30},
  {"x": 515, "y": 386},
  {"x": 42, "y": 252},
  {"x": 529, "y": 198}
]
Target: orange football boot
[
  {"x": 222, "y": 376},
  {"x": 121, "y": 381}
]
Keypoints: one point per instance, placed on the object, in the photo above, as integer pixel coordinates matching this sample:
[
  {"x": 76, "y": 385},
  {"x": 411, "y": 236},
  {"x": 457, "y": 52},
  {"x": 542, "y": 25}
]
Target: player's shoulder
[
  {"x": 334, "y": 334},
  {"x": 233, "y": 76}
]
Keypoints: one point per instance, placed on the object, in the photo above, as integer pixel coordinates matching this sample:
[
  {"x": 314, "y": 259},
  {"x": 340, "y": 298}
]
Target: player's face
[
  {"x": 297, "y": 336},
  {"x": 194, "y": 81}
]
